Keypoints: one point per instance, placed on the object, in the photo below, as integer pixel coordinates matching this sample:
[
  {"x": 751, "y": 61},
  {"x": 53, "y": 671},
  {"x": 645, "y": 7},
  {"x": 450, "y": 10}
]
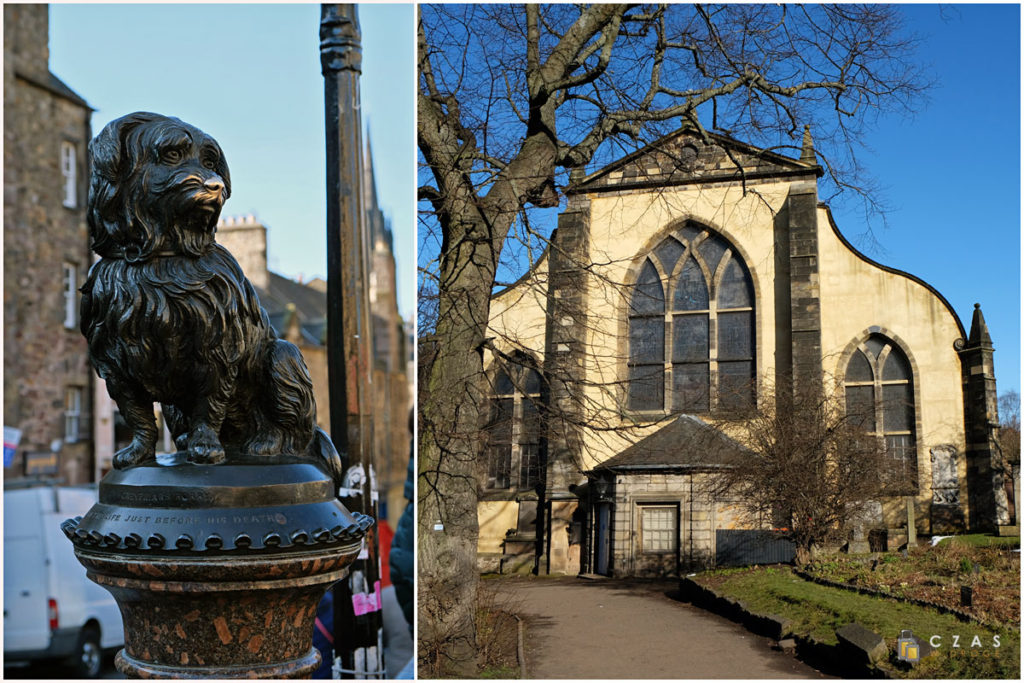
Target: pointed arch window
[
  {"x": 691, "y": 327},
  {"x": 513, "y": 428},
  {"x": 879, "y": 387}
]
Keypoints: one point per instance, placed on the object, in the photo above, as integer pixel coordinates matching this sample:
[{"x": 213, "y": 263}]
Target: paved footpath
[{"x": 576, "y": 628}]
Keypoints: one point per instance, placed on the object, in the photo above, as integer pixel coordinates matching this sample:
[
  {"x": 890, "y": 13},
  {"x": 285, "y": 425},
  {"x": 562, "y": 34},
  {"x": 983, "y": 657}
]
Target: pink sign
[{"x": 364, "y": 603}]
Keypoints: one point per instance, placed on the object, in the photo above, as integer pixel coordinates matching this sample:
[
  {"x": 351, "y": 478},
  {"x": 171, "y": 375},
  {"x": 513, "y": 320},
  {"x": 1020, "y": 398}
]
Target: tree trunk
[
  {"x": 450, "y": 450},
  {"x": 447, "y": 521},
  {"x": 474, "y": 230},
  {"x": 803, "y": 555}
]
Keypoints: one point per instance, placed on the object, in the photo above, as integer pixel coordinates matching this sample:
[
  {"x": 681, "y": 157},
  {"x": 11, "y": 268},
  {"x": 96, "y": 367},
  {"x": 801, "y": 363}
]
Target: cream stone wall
[
  {"x": 698, "y": 519},
  {"x": 857, "y": 295},
  {"x": 495, "y": 517},
  {"x": 518, "y": 314},
  {"x": 624, "y": 229},
  {"x": 517, "y": 321},
  {"x": 565, "y": 556}
]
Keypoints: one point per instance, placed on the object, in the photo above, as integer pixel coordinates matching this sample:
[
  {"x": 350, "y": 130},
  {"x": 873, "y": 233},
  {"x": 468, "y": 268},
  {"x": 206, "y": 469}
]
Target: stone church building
[{"x": 681, "y": 283}]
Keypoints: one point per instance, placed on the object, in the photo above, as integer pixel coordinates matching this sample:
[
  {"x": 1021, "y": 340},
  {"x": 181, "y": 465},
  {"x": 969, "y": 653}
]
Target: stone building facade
[
  {"x": 684, "y": 283},
  {"x": 47, "y": 380}
]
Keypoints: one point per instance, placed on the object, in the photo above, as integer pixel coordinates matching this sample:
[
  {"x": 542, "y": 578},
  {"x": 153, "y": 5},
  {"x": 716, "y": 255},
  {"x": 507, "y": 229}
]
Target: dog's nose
[{"x": 214, "y": 184}]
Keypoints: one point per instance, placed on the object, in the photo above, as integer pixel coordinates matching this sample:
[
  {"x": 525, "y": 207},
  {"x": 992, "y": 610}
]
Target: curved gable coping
[
  {"x": 529, "y": 272},
  {"x": 894, "y": 271},
  {"x": 799, "y": 167}
]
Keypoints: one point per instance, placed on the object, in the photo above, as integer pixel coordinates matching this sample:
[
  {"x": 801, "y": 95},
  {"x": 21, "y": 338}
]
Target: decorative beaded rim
[{"x": 298, "y": 539}]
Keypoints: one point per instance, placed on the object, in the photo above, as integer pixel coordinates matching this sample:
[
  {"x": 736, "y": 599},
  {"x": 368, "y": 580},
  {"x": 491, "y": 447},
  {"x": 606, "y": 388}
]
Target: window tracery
[
  {"x": 879, "y": 390},
  {"x": 691, "y": 327}
]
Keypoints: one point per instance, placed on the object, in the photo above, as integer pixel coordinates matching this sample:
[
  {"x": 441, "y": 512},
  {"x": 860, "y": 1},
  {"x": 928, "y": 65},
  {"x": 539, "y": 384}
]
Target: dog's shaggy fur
[{"x": 169, "y": 315}]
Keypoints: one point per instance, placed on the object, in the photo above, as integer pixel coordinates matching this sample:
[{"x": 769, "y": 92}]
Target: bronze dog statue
[{"x": 169, "y": 315}]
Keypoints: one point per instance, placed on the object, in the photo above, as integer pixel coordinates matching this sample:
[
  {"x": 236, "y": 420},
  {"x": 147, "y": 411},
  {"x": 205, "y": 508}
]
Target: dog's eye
[
  {"x": 171, "y": 156},
  {"x": 209, "y": 163}
]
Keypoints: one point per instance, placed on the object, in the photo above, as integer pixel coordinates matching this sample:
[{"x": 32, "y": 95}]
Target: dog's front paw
[
  {"x": 268, "y": 442},
  {"x": 204, "y": 447},
  {"x": 134, "y": 453}
]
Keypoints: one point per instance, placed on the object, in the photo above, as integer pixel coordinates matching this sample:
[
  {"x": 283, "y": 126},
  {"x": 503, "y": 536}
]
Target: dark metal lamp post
[{"x": 358, "y": 625}]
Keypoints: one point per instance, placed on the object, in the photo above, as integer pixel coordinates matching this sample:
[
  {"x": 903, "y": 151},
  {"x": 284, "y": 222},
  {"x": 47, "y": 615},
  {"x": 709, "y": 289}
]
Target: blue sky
[
  {"x": 951, "y": 175},
  {"x": 250, "y": 76}
]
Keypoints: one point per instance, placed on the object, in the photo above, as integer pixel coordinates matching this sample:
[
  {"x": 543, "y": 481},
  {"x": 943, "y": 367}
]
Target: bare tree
[
  {"x": 1008, "y": 442},
  {"x": 1009, "y": 426},
  {"x": 512, "y": 98},
  {"x": 811, "y": 469}
]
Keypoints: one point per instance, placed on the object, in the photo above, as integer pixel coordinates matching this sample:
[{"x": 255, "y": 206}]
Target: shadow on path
[{"x": 633, "y": 629}]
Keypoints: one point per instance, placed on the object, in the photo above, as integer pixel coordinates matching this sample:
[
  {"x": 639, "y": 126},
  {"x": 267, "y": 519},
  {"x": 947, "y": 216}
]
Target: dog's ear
[
  {"x": 111, "y": 160},
  {"x": 107, "y": 150}
]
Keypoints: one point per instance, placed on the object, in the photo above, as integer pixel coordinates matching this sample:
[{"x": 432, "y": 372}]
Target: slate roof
[
  {"x": 685, "y": 443},
  {"x": 57, "y": 87},
  {"x": 309, "y": 302}
]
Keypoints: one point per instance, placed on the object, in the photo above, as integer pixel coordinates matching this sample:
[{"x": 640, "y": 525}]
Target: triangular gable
[{"x": 683, "y": 157}]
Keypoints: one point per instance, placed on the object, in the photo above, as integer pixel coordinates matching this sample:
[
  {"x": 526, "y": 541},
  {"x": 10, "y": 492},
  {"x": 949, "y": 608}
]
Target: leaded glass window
[
  {"x": 691, "y": 327},
  {"x": 514, "y": 428},
  {"x": 879, "y": 387}
]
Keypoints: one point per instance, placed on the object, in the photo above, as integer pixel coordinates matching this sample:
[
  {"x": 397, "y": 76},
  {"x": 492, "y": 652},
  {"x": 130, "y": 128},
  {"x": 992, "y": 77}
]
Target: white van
[{"x": 51, "y": 610}]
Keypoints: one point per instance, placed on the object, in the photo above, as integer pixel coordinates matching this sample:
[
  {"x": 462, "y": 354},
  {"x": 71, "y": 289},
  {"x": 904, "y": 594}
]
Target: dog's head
[{"x": 157, "y": 185}]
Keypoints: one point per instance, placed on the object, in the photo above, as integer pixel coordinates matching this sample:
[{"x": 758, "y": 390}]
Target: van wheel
[{"x": 88, "y": 658}]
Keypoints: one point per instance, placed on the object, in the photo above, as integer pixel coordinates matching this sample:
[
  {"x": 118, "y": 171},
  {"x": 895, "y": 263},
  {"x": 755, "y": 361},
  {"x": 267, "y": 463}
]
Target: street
[{"x": 54, "y": 670}]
